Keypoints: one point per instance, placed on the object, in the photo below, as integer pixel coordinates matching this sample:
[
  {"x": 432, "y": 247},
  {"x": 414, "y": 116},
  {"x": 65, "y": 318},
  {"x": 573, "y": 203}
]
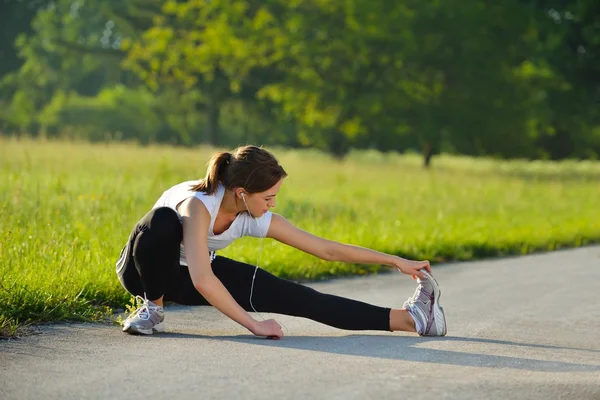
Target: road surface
[{"x": 518, "y": 328}]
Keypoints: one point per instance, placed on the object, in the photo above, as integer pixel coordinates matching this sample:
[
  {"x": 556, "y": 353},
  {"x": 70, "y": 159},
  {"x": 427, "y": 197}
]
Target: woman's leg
[
  {"x": 149, "y": 263},
  {"x": 281, "y": 296}
]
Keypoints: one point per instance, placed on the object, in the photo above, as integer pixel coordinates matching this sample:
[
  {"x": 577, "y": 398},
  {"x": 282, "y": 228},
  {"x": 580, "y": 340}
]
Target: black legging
[{"x": 151, "y": 265}]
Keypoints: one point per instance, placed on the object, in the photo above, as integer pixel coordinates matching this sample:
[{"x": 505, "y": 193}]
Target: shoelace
[
  {"x": 143, "y": 311},
  {"x": 418, "y": 291}
]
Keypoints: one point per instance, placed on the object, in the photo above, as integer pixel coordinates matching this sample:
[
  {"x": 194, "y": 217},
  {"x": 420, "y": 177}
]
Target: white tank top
[{"x": 243, "y": 225}]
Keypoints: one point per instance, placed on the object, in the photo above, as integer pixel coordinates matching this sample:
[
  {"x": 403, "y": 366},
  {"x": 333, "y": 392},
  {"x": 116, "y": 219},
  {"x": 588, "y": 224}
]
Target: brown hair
[{"x": 250, "y": 167}]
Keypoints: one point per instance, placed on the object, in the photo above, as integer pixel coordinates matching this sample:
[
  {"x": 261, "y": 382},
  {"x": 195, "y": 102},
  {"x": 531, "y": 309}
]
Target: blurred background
[{"x": 509, "y": 79}]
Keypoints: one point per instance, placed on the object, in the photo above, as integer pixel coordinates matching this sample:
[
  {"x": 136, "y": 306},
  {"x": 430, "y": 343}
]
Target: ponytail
[
  {"x": 249, "y": 167},
  {"x": 215, "y": 174}
]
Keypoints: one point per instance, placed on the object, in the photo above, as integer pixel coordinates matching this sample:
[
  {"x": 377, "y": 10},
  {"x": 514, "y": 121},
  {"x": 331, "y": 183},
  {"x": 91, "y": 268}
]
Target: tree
[
  {"x": 202, "y": 45},
  {"x": 568, "y": 52}
]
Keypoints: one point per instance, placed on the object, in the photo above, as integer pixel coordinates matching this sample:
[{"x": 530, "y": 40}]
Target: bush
[{"x": 117, "y": 112}]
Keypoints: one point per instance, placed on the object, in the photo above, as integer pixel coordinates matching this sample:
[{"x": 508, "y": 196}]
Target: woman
[{"x": 170, "y": 256}]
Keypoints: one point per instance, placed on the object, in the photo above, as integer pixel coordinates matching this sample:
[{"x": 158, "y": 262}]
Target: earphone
[
  {"x": 262, "y": 240},
  {"x": 259, "y": 254}
]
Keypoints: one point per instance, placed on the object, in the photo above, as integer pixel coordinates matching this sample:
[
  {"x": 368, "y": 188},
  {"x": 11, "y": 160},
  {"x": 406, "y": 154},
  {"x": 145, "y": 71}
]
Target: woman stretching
[{"x": 170, "y": 256}]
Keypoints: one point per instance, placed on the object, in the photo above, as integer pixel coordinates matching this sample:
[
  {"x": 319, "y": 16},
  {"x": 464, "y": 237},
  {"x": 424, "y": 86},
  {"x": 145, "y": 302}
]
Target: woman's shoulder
[
  {"x": 211, "y": 201},
  {"x": 176, "y": 194},
  {"x": 187, "y": 187},
  {"x": 215, "y": 195}
]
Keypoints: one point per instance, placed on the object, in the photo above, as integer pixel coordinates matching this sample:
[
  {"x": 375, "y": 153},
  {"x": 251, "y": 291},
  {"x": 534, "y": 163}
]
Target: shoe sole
[
  {"x": 438, "y": 310},
  {"x": 134, "y": 330}
]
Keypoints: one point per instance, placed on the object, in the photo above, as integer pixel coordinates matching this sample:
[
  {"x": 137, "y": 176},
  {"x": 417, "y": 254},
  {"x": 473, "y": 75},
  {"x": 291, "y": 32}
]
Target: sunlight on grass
[{"x": 67, "y": 209}]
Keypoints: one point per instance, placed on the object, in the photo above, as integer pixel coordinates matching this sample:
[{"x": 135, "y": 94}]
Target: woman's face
[{"x": 260, "y": 203}]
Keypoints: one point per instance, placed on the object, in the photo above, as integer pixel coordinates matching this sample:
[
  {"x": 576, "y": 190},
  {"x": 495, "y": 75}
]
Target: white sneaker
[
  {"x": 146, "y": 319},
  {"x": 424, "y": 307}
]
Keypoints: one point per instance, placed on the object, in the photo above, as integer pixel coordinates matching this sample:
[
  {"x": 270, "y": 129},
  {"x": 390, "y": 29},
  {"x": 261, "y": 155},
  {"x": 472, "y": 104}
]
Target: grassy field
[{"x": 67, "y": 209}]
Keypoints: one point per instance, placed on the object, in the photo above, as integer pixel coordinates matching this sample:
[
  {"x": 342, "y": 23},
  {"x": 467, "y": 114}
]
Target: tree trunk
[
  {"x": 338, "y": 145},
  {"x": 427, "y": 154}
]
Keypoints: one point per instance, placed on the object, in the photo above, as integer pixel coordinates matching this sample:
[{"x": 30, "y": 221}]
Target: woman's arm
[
  {"x": 285, "y": 232},
  {"x": 196, "y": 220}
]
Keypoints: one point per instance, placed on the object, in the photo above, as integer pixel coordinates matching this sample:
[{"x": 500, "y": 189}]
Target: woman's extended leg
[
  {"x": 281, "y": 296},
  {"x": 150, "y": 265}
]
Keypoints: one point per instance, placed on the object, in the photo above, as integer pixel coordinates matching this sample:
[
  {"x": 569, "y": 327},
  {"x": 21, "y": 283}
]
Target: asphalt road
[{"x": 519, "y": 328}]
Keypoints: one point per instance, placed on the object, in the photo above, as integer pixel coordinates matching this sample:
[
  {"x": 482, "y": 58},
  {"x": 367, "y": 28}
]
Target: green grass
[{"x": 67, "y": 208}]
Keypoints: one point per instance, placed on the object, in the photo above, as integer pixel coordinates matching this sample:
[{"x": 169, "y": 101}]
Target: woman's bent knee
[{"x": 163, "y": 221}]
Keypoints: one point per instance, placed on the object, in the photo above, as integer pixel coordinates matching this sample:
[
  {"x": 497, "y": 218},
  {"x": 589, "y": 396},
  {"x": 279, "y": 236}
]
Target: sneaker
[
  {"x": 424, "y": 307},
  {"x": 146, "y": 319}
]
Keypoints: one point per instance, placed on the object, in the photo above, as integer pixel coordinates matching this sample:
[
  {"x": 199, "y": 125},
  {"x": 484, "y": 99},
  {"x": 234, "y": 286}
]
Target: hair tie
[{"x": 229, "y": 158}]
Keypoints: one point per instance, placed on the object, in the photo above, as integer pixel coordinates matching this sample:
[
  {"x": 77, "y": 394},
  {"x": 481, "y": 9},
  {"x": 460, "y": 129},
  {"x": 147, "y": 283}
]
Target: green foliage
[
  {"x": 511, "y": 79},
  {"x": 68, "y": 207},
  {"x": 8, "y": 326},
  {"x": 15, "y": 18},
  {"x": 20, "y": 114},
  {"x": 127, "y": 113}
]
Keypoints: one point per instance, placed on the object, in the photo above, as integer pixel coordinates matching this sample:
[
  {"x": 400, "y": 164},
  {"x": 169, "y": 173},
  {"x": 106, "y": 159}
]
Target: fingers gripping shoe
[
  {"x": 146, "y": 319},
  {"x": 424, "y": 306}
]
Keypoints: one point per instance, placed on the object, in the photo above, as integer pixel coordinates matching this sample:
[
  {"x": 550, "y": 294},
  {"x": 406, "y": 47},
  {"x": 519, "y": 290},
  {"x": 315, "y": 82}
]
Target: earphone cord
[{"x": 262, "y": 241}]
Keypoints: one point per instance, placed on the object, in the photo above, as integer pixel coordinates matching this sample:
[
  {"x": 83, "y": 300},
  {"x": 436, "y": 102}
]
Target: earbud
[{"x": 242, "y": 195}]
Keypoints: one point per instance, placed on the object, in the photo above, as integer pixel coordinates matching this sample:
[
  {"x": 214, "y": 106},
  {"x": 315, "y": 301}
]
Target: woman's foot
[
  {"x": 424, "y": 307},
  {"x": 146, "y": 319}
]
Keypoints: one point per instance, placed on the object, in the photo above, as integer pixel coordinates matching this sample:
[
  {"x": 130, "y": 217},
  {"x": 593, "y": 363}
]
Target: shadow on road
[{"x": 415, "y": 349}]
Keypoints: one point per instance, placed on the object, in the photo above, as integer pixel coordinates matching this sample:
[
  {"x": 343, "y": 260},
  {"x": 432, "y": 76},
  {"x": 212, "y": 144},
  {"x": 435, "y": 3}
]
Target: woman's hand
[
  {"x": 269, "y": 328},
  {"x": 410, "y": 267}
]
